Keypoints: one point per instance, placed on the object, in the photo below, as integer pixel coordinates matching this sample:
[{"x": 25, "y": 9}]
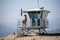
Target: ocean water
[
  {"x": 7, "y": 29},
  {"x": 10, "y": 28}
]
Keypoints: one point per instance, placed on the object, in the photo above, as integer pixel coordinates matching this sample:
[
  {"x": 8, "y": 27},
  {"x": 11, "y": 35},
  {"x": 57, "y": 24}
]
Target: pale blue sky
[{"x": 10, "y": 10}]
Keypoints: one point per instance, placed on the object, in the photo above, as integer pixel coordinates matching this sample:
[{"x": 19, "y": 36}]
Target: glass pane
[
  {"x": 30, "y": 15},
  {"x": 38, "y": 15}
]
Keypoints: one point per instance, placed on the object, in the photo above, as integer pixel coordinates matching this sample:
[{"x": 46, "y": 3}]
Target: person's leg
[{"x": 25, "y": 23}]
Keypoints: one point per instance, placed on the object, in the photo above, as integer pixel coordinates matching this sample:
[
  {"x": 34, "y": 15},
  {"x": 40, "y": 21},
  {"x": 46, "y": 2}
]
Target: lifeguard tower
[{"x": 38, "y": 21}]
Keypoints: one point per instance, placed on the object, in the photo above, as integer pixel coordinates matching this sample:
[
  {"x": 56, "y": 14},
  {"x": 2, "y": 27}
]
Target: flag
[{"x": 21, "y": 11}]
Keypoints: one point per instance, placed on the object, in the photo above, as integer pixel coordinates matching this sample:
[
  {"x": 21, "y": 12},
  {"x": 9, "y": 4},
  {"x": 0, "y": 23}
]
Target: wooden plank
[{"x": 35, "y": 27}]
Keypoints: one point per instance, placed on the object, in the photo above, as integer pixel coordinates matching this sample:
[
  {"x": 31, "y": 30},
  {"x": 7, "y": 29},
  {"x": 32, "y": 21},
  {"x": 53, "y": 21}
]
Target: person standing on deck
[
  {"x": 33, "y": 20},
  {"x": 25, "y": 20}
]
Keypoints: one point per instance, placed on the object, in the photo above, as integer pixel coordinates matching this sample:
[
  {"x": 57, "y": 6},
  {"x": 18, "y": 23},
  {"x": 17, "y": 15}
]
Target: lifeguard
[{"x": 25, "y": 20}]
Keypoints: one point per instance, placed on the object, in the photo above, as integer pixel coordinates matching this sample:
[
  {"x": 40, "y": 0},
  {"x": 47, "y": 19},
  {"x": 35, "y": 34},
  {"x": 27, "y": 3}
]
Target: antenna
[{"x": 38, "y": 3}]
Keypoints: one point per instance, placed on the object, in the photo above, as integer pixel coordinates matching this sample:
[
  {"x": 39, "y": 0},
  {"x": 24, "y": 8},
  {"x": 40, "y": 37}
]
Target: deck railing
[{"x": 29, "y": 23}]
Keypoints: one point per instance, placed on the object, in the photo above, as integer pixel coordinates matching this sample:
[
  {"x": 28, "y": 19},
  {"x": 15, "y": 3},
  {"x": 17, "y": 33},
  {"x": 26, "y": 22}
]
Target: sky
[{"x": 10, "y": 12}]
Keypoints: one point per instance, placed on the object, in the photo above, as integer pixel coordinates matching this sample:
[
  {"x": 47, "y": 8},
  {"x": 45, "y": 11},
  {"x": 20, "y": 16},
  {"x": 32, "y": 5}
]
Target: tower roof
[{"x": 35, "y": 10}]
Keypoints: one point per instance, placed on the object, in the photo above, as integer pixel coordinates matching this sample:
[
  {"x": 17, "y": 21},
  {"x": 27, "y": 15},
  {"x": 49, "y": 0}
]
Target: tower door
[{"x": 38, "y": 22}]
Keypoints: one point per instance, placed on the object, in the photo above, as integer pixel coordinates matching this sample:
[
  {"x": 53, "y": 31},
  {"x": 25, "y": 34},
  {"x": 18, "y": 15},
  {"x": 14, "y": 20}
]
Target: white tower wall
[{"x": 44, "y": 16}]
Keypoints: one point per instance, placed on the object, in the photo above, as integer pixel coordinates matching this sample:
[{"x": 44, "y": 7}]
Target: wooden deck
[{"x": 35, "y": 27}]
